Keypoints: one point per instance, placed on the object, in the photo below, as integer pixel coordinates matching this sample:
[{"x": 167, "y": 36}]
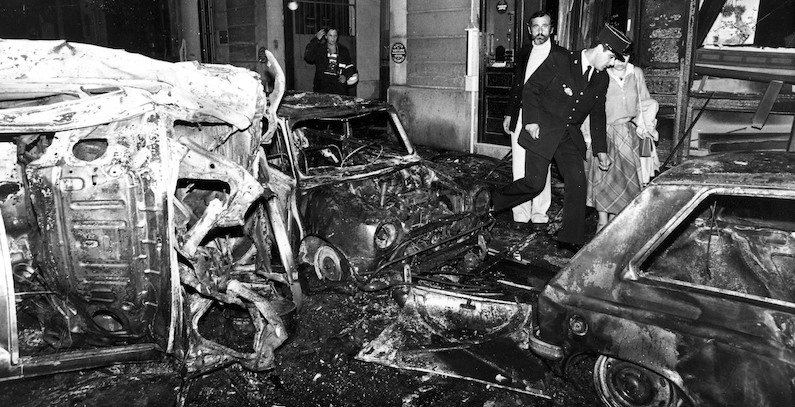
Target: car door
[{"x": 724, "y": 279}]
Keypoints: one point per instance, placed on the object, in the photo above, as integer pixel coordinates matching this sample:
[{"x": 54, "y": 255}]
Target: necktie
[{"x": 587, "y": 73}]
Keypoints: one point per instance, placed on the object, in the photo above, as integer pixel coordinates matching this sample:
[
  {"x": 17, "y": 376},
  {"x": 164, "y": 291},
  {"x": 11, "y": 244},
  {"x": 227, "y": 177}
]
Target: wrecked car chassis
[{"x": 134, "y": 203}]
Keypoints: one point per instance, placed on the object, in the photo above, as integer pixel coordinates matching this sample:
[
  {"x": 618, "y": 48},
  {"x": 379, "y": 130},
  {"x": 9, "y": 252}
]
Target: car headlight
[
  {"x": 480, "y": 201},
  {"x": 386, "y": 235}
]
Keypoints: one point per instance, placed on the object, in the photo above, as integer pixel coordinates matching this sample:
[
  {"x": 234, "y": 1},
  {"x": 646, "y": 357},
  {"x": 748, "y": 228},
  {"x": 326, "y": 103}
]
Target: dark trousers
[{"x": 572, "y": 168}]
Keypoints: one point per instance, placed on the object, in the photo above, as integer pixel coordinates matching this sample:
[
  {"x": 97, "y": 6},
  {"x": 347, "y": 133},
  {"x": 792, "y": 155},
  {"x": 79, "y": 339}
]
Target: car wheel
[
  {"x": 329, "y": 264},
  {"x": 624, "y": 384}
]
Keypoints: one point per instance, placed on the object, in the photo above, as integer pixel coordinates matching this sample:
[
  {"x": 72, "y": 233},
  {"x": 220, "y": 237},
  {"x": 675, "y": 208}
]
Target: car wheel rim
[
  {"x": 328, "y": 263},
  {"x": 624, "y": 384}
]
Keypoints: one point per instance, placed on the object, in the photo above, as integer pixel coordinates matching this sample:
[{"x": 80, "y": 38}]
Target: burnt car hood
[{"x": 469, "y": 169}]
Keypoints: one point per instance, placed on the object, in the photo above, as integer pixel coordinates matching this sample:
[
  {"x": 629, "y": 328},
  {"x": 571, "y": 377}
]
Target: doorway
[{"x": 303, "y": 23}]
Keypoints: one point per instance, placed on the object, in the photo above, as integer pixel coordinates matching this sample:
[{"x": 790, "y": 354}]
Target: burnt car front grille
[{"x": 439, "y": 242}]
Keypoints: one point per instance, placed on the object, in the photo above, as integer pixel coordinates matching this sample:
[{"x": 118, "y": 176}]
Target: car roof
[
  {"x": 307, "y": 105},
  {"x": 199, "y": 92},
  {"x": 766, "y": 169}
]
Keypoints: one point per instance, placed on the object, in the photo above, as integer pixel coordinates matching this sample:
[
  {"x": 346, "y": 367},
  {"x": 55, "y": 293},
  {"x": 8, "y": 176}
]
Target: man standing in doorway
[
  {"x": 528, "y": 59},
  {"x": 561, "y": 93},
  {"x": 334, "y": 69}
]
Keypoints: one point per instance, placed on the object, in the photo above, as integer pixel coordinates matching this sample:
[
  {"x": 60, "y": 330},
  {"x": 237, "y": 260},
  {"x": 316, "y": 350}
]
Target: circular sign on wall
[
  {"x": 502, "y": 6},
  {"x": 398, "y": 52}
]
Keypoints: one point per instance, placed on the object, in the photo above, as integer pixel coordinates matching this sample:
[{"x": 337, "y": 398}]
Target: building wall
[
  {"x": 273, "y": 38},
  {"x": 428, "y": 88},
  {"x": 368, "y": 32},
  {"x": 434, "y": 117}
]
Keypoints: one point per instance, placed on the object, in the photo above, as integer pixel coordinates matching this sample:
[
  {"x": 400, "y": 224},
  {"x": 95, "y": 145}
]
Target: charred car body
[
  {"x": 135, "y": 203},
  {"x": 362, "y": 203},
  {"x": 688, "y": 294}
]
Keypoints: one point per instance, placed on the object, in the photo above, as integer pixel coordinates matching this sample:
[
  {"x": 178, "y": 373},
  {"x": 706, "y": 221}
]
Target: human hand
[
  {"x": 604, "y": 161},
  {"x": 320, "y": 34},
  {"x": 506, "y": 124},
  {"x": 533, "y": 129}
]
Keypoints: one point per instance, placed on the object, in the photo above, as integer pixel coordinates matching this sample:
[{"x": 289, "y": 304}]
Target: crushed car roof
[
  {"x": 305, "y": 105},
  {"x": 200, "y": 91},
  {"x": 774, "y": 169}
]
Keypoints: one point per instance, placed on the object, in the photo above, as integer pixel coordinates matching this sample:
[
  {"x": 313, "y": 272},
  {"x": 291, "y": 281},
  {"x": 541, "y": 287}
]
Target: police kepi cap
[{"x": 614, "y": 40}]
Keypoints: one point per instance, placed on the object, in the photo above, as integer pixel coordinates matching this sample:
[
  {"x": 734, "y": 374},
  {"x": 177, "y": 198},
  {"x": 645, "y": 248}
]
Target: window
[
  {"x": 742, "y": 244},
  {"x": 762, "y": 23},
  {"x": 311, "y": 16},
  {"x": 332, "y": 143}
]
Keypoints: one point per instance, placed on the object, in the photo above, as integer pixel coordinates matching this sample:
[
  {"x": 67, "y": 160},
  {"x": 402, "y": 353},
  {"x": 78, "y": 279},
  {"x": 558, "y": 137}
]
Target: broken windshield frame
[{"x": 328, "y": 145}]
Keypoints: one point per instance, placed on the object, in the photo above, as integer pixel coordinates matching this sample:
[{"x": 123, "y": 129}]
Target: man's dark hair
[{"x": 541, "y": 13}]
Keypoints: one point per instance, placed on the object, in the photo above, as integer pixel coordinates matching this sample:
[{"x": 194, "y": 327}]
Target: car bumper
[{"x": 546, "y": 350}]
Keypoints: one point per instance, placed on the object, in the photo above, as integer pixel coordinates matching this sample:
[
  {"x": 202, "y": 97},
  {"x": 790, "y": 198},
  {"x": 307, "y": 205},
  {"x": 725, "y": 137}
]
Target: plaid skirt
[{"x": 612, "y": 190}]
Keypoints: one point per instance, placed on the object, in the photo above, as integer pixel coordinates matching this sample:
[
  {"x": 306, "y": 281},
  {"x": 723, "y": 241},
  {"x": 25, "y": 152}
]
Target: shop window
[{"x": 761, "y": 23}]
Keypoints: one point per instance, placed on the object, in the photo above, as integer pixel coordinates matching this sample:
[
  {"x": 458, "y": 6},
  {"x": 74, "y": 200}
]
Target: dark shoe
[
  {"x": 492, "y": 209},
  {"x": 568, "y": 247}
]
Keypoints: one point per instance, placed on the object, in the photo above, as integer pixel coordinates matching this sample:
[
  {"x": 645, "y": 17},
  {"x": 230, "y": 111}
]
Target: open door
[{"x": 303, "y": 23}]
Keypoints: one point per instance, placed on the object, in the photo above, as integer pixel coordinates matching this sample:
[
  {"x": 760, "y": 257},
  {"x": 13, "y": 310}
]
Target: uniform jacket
[
  {"x": 315, "y": 54},
  {"x": 559, "y": 98}
]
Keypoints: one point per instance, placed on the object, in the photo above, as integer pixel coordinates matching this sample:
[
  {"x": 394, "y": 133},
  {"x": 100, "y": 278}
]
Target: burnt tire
[{"x": 624, "y": 384}]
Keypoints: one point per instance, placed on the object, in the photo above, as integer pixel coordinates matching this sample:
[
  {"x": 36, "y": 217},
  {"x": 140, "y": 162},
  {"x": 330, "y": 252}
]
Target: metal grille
[{"x": 311, "y": 16}]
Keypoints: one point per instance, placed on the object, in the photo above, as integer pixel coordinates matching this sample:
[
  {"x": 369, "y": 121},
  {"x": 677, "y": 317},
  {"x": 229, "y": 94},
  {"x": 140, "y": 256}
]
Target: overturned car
[
  {"x": 362, "y": 204},
  {"x": 688, "y": 295},
  {"x": 135, "y": 204}
]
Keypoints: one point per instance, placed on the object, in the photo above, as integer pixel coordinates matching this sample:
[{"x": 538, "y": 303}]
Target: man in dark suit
[
  {"x": 565, "y": 89},
  {"x": 540, "y": 26}
]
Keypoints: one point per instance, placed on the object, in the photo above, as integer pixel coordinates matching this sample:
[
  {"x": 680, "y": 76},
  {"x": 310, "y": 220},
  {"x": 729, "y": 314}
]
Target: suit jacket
[
  {"x": 515, "y": 94},
  {"x": 517, "y": 84},
  {"x": 558, "y": 98}
]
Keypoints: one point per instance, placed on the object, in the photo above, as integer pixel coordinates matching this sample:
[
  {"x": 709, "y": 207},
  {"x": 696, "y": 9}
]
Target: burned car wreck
[
  {"x": 687, "y": 295},
  {"x": 362, "y": 204},
  {"x": 135, "y": 204},
  {"x": 685, "y": 298}
]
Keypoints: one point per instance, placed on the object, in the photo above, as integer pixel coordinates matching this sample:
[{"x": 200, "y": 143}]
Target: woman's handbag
[
  {"x": 647, "y": 119},
  {"x": 646, "y": 146}
]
